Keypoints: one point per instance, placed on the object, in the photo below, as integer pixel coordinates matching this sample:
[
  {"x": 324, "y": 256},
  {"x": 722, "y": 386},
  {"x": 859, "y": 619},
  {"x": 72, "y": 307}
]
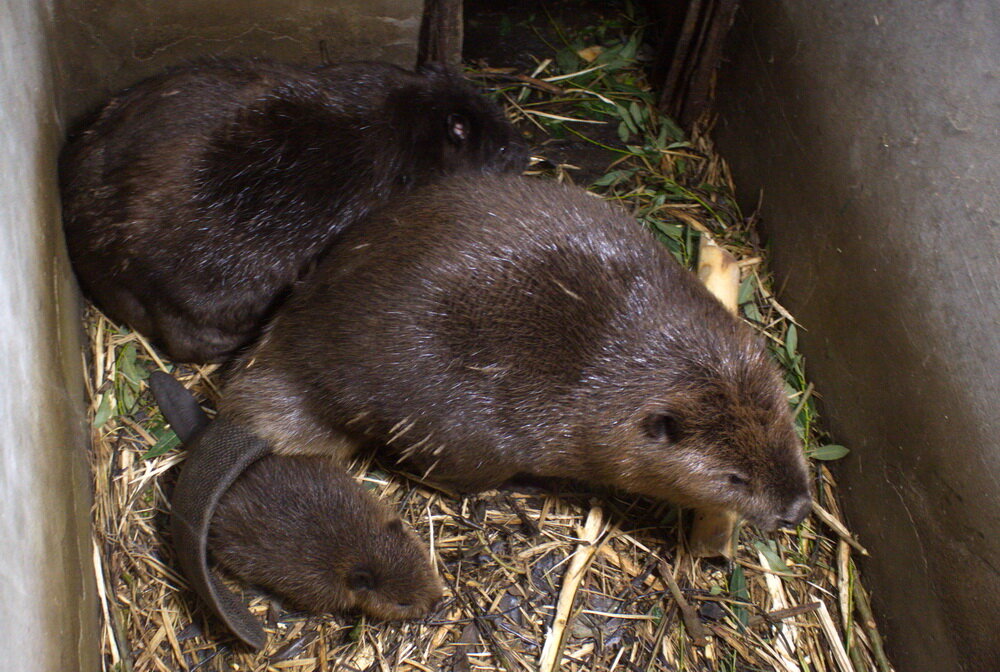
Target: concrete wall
[
  {"x": 58, "y": 58},
  {"x": 105, "y": 45},
  {"x": 48, "y": 617},
  {"x": 872, "y": 128}
]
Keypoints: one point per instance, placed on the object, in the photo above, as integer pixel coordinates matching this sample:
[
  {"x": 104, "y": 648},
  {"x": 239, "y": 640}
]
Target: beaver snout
[
  {"x": 795, "y": 513},
  {"x": 780, "y": 511},
  {"x": 513, "y": 156}
]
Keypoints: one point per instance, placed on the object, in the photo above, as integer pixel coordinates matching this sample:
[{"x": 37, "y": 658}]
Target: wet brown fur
[
  {"x": 491, "y": 326},
  {"x": 195, "y": 199},
  {"x": 304, "y": 529}
]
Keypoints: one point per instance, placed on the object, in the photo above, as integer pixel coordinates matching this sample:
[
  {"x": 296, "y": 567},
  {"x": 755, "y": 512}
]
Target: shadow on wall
[{"x": 873, "y": 133}]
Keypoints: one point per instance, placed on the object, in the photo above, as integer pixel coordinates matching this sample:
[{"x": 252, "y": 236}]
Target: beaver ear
[
  {"x": 459, "y": 128},
  {"x": 663, "y": 427},
  {"x": 394, "y": 526},
  {"x": 361, "y": 578}
]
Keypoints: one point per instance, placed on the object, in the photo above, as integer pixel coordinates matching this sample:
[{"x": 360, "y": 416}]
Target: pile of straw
[{"x": 564, "y": 578}]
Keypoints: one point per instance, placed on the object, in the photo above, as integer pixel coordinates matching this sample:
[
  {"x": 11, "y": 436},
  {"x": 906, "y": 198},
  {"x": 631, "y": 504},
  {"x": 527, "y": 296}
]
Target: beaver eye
[
  {"x": 458, "y": 128},
  {"x": 361, "y": 578},
  {"x": 663, "y": 427},
  {"x": 738, "y": 480}
]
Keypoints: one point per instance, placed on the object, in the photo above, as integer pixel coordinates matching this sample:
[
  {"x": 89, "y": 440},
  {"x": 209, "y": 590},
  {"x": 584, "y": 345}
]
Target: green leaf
[
  {"x": 167, "y": 442},
  {"x": 128, "y": 365},
  {"x": 828, "y": 452},
  {"x": 673, "y": 129},
  {"x": 614, "y": 177},
  {"x": 751, "y": 311},
  {"x": 738, "y": 590},
  {"x": 774, "y": 561},
  {"x": 623, "y": 132},
  {"x": 631, "y": 48},
  {"x": 355, "y": 634},
  {"x": 661, "y": 138},
  {"x": 746, "y": 290},
  {"x": 103, "y": 411},
  {"x": 791, "y": 341},
  {"x": 627, "y": 118},
  {"x": 126, "y": 398},
  {"x": 801, "y": 431},
  {"x": 638, "y": 113},
  {"x": 675, "y": 231},
  {"x": 567, "y": 60}
]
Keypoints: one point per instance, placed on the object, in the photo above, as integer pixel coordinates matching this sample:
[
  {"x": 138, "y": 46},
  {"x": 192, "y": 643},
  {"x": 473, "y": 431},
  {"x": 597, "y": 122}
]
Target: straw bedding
[{"x": 536, "y": 579}]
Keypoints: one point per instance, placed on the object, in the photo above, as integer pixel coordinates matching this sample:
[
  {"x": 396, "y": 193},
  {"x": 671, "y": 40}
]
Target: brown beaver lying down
[
  {"x": 489, "y": 326},
  {"x": 193, "y": 200}
]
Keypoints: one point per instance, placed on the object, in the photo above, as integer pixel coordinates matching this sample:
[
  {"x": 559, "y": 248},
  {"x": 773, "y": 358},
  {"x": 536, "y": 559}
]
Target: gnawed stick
[
  {"x": 864, "y": 608},
  {"x": 782, "y": 614},
  {"x": 720, "y": 272},
  {"x": 713, "y": 530},
  {"x": 833, "y": 637},
  {"x": 838, "y": 527},
  {"x": 787, "y": 642},
  {"x": 552, "y": 651},
  {"x": 690, "y": 617}
]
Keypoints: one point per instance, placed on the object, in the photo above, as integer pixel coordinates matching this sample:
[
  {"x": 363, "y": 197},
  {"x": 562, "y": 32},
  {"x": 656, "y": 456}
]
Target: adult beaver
[
  {"x": 193, "y": 200},
  {"x": 491, "y": 326}
]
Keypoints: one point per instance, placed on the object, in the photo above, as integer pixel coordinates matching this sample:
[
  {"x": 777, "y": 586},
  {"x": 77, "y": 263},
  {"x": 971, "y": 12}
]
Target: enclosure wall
[
  {"x": 872, "y": 129},
  {"x": 48, "y": 614},
  {"x": 108, "y": 44}
]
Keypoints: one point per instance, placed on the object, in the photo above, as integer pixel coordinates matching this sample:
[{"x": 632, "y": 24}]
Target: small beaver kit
[
  {"x": 486, "y": 327},
  {"x": 305, "y": 530},
  {"x": 195, "y": 199}
]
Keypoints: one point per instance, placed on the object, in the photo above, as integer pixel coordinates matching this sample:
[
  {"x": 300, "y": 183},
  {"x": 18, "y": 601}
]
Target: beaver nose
[{"x": 796, "y": 512}]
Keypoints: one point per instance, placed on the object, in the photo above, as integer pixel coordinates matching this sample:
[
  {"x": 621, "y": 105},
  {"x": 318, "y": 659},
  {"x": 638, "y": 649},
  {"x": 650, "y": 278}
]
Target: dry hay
[{"x": 589, "y": 580}]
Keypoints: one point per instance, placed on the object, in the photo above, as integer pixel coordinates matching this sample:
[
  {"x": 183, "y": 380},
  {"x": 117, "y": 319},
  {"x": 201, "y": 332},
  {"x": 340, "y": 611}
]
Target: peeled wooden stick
[
  {"x": 713, "y": 530},
  {"x": 838, "y": 527},
  {"x": 720, "y": 272},
  {"x": 788, "y": 634},
  {"x": 552, "y": 651},
  {"x": 836, "y": 645}
]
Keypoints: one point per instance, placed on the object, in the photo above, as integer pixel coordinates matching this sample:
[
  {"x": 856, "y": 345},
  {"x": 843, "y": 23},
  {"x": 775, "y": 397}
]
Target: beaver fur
[
  {"x": 304, "y": 529},
  {"x": 489, "y": 326},
  {"x": 193, "y": 200}
]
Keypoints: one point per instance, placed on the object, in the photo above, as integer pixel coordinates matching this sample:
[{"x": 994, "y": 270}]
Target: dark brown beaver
[
  {"x": 491, "y": 326},
  {"x": 193, "y": 200},
  {"x": 304, "y": 529}
]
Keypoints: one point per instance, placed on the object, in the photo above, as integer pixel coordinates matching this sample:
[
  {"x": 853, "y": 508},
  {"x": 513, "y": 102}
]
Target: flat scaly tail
[{"x": 218, "y": 453}]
